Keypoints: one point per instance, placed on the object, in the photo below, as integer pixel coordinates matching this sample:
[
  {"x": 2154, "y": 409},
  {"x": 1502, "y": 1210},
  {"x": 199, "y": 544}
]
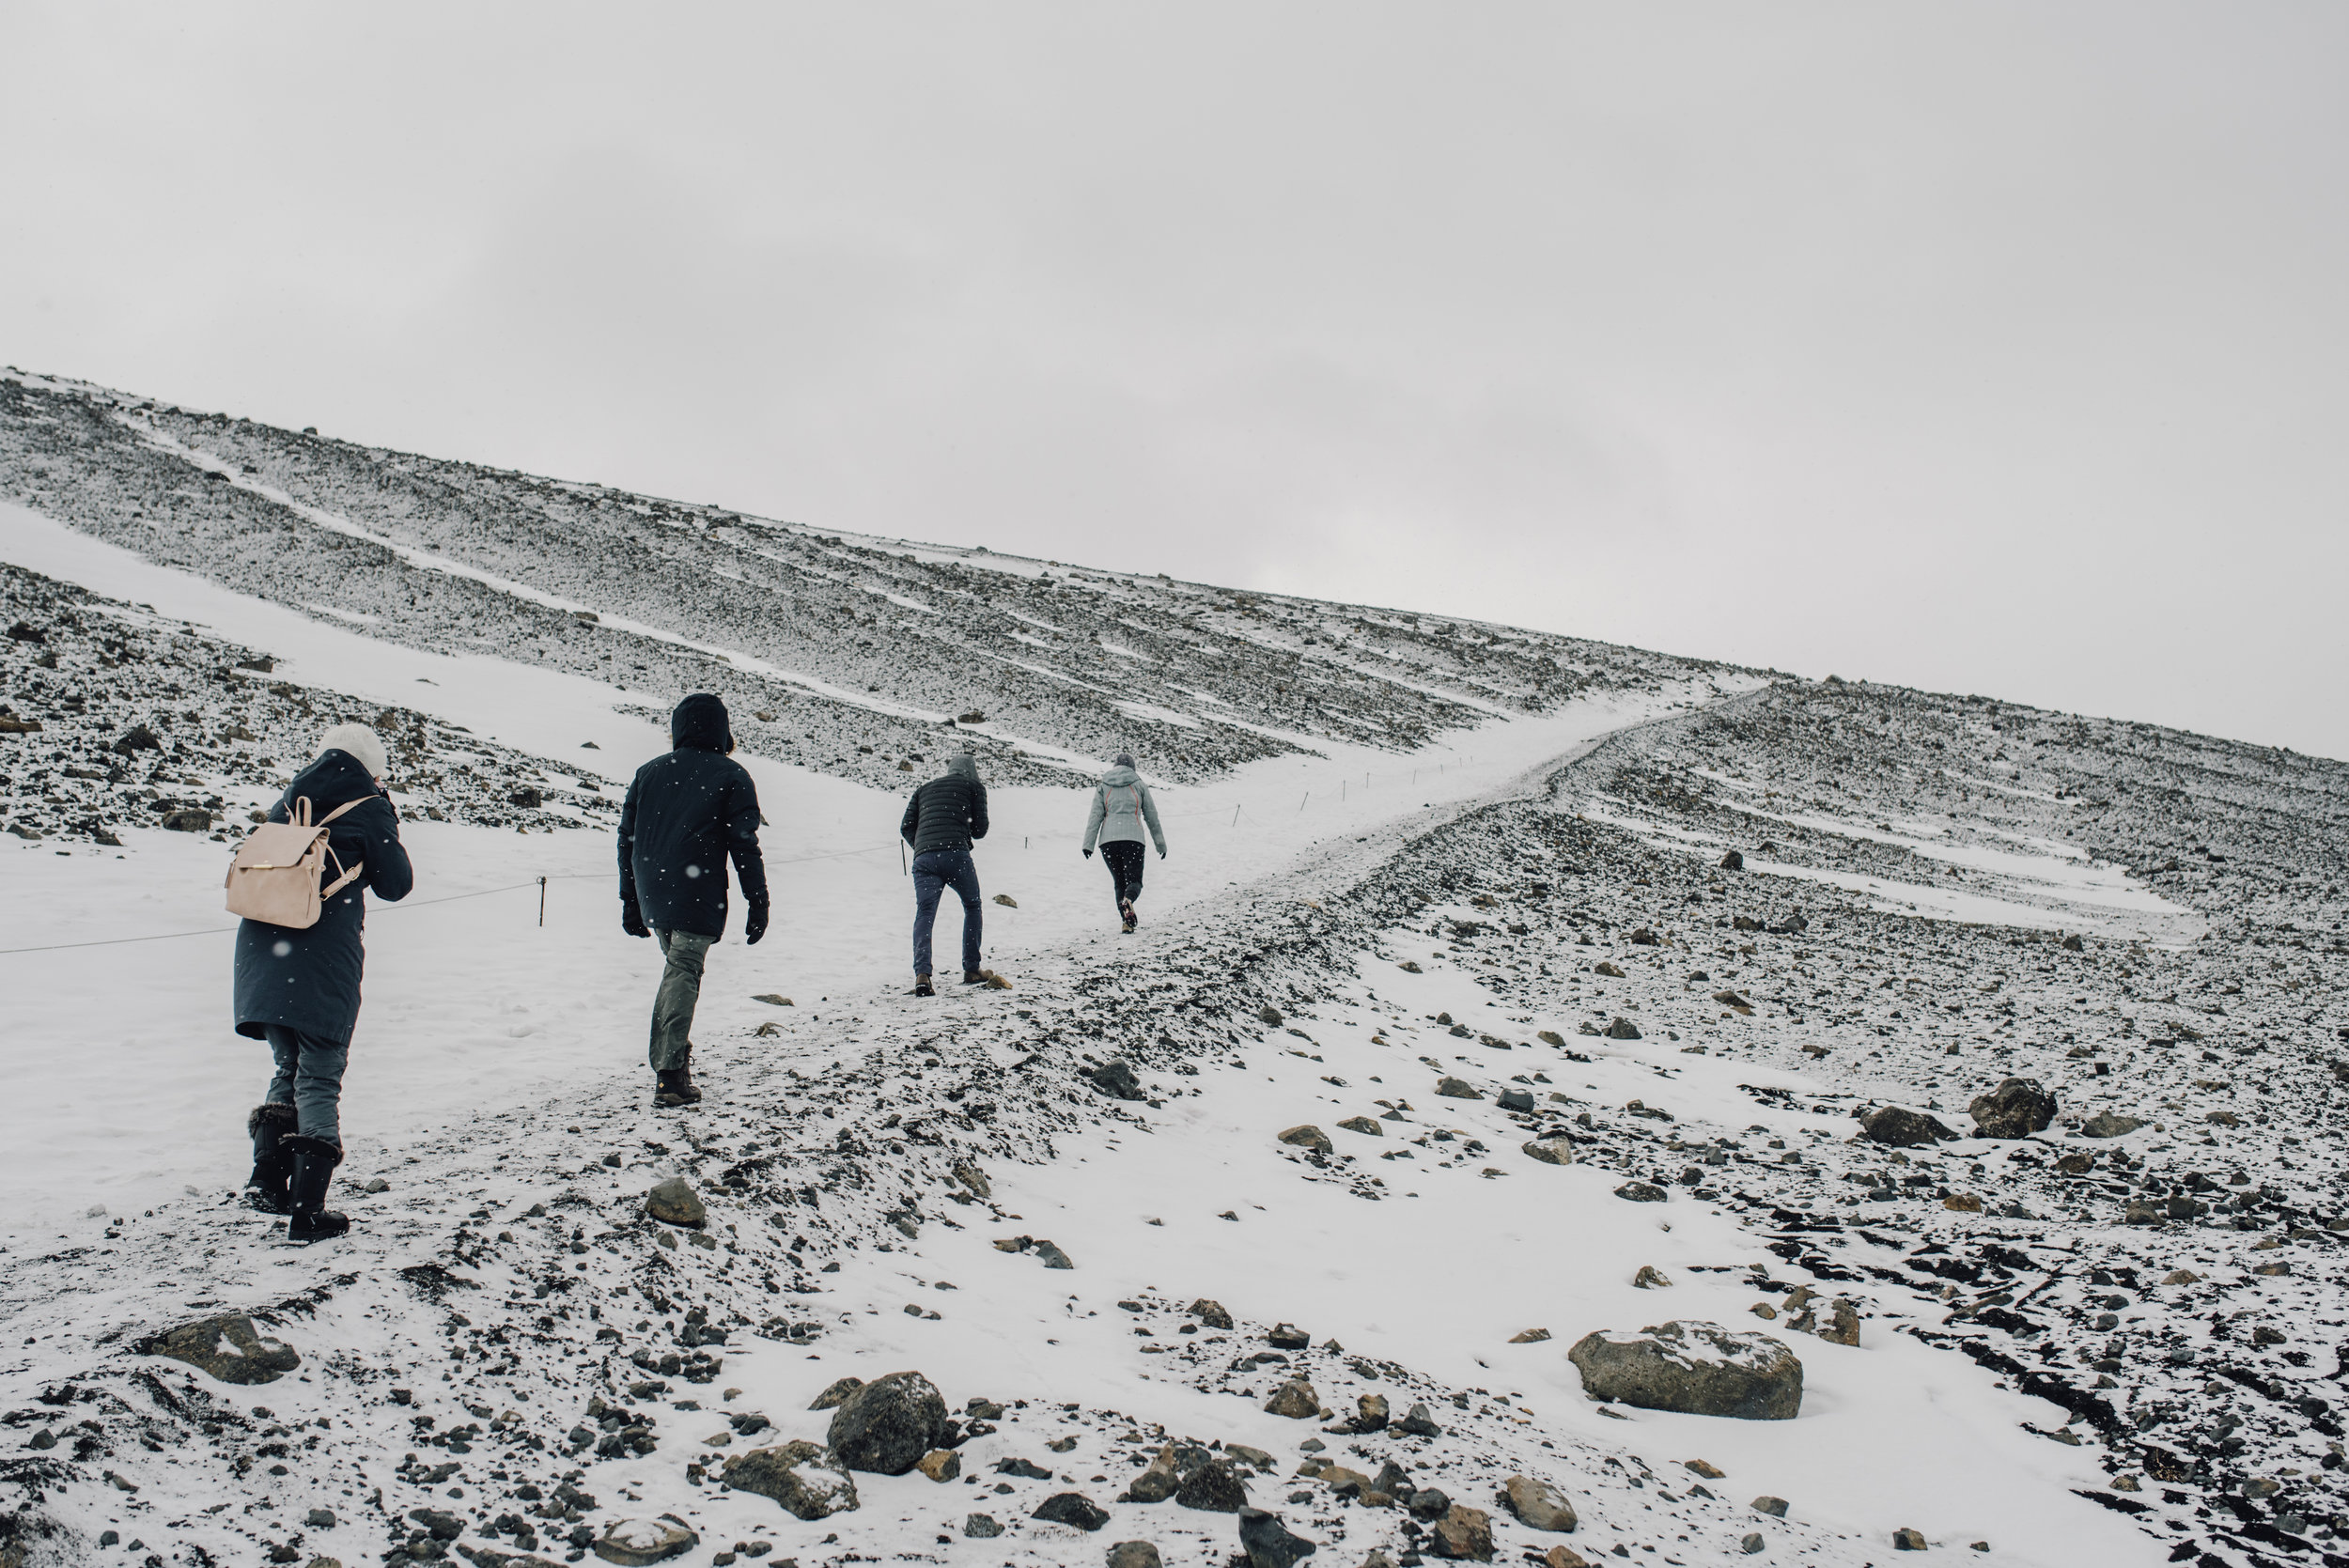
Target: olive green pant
[{"x": 672, "y": 1005}]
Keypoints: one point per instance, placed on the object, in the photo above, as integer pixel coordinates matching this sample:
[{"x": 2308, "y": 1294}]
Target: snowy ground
[{"x": 2073, "y": 1348}]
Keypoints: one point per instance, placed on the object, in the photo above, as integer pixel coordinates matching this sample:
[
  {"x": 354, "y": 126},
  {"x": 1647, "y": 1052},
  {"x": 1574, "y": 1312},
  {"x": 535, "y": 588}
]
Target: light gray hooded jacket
[{"x": 1121, "y": 805}]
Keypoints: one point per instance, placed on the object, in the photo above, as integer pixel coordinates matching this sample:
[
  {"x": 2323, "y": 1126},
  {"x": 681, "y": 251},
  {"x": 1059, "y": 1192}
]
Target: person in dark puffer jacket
[
  {"x": 941, "y": 820},
  {"x": 298, "y": 988},
  {"x": 686, "y": 814}
]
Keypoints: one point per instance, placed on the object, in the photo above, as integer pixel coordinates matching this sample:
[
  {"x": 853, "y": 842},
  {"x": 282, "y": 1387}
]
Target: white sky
[{"x": 1989, "y": 348}]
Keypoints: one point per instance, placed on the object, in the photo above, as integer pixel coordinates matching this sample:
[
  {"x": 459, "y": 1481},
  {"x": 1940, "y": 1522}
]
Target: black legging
[{"x": 1124, "y": 859}]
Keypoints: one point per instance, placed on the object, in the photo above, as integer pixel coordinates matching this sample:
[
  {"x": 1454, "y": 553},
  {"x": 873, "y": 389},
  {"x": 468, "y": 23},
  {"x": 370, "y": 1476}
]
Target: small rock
[
  {"x": 1296, "y": 1400},
  {"x": 1650, "y": 1278},
  {"x": 1456, "y": 1089},
  {"x": 1007, "y": 901},
  {"x": 1418, "y": 1423},
  {"x": 1268, "y": 1542},
  {"x": 1703, "y": 1467},
  {"x": 836, "y": 1393},
  {"x": 634, "y": 1542},
  {"x": 1694, "y": 1368},
  {"x": 1052, "y": 1257},
  {"x": 1367, "y": 1126},
  {"x": 887, "y": 1425},
  {"x": 772, "y": 999},
  {"x": 1962, "y": 1202},
  {"x": 1133, "y": 1554},
  {"x": 1270, "y": 1016},
  {"x": 1611, "y": 970},
  {"x": 1158, "y": 1481},
  {"x": 809, "y": 1482},
  {"x": 1529, "y": 1335},
  {"x": 2018, "y": 1107},
  {"x": 375, "y": 1184},
  {"x": 1843, "y": 1326},
  {"x": 1308, "y": 1137},
  {"x": 1623, "y": 1029},
  {"x": 939, "y": 1465},
  {"x": 1516, "y": 1099},
  {"x": 439, "y": 1522},
  {"x": 1774, "y": 1507},
  {"x": 1538, "y": 1505},
  {"x": 1750, "y": 1542},
  {"x": 1288, "y": 1335},
  {"x": 320, "y": 1518},
  {"x": 1734, "y": 860},
  {"x": 1641, "y": 1192},
  {"x": 1565, "y": 1557},
  {"x": 1909, "y": 1540},
  {"x": 1214, "y": 1487},
  {"x": 1369, "y": 1414},
  {"x": 226, "y": 1347},
  {"x": 1550, "y": 1151},
  {"x": 1115, "y": 1078},
  {"x": 673, "y": 1201},
  {"x": 1902, "y": 1129},
  {"x": 981, "y": 1527},
  {"x": 1210, "y": 1313},
  {"x": 1465, "y": 1534},
  {"x": 971, "y": 1176},
  {"x": 1072, "y": 1508},
  {"x": 2106, "y": 1125}
]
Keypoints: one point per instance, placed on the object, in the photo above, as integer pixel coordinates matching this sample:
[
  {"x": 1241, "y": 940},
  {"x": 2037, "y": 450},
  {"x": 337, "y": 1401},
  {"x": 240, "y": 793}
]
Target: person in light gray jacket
[{"x": 1122, "y": 807}]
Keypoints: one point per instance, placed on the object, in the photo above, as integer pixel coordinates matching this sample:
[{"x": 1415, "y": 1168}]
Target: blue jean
[
  {"x": 933, "y": 872},
  {"x": 309, "y": 1077}
]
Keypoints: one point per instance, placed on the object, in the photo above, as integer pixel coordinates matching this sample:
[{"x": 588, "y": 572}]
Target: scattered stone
[
  {"x": 226, "y": 1347},
  {"x": 1268, "y": 1542},
  {"x": 2106, "y": 1125},
  {"x": 1650, "y": 1278},
  {"x": 673, "y": 1201},
  {"x": 1750, "y": 1542},
  {"x": 1158, "y": 1481},
  {"x": 1694, "y": 1368},
  {"x": 836, "y": 1393},
  {"x": 1774, "y": 1507},
  {"x": 1843, "y": 1326},
  {"x": 1214, "y": 1487},
  {"x": 1641, "y": 1192},
  {"x": 1902, "y": 1128},
  {"x": 772, "y": 999},
  {"x": 1609, "y": 970},
  {"x": 1550, "y": 1151},
  {"x": 1308, "y": 1137},
  {"x": 1465, "y": 1534},
  {"x": 887, "y": 1425},
  {"x": 971, "y": 1176},
  {"x": 1133, "y": 1554},
  {"x": 1914, "y": 1541},
  {"x": 1270, "y": 1016},
  {"x": 1052, "y": 1257},
  {"x": 981, "y": 1527},
  {"x": 1408, "y": 967},
  {"x": 2181, "y": 1277},
  {"x": 1416, "y": 1422},
  {"x": 320, "y": 1518},
  {"x": 1296, "y": 1400},
  {"x": 1211, "y": 1314},
  {"x": 808, "y": 1480},
  {"x": 1458, "y": 1089},
  {"x": 1703, "y": 1467},
  {"x": 2018, "y": 1107},
  {"x": 1565, "y": 1557},
  {"x": 1115, "y": 1078},
  {"x": 939, "y": 1465},
  {"x": 1529, "y": 1335},
  {"x": 1072, "y": 1508},
  {"x": 1962, "y": 1202},
  {"x": 1007, "y": 901},
  {"x": 1516, "y": 1099},
  {"x": 1538, "y": 1505},
  {"x": 1367, "y": 1126},
  {"x": 1623, "y": 1029},
  {"x": 634, "y": 1542}
]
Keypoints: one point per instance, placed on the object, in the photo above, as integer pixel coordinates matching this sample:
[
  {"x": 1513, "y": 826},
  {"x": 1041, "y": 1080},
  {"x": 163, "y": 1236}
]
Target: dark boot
[
  {"x": 922, "y": 987},
  {"x": 313, "y": 1162},
  {"x": 671, "y": 1089},
  {"x": 272, "y": 1162},
  {"x": 974, "y": 977}
]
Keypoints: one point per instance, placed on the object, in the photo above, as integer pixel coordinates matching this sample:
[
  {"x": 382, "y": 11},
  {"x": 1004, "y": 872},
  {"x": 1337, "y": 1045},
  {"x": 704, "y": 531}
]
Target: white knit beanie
[{"x": 361, "y": 742}]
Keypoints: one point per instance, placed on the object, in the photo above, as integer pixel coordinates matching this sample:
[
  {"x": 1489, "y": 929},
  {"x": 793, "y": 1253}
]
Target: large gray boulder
[
  {"x": 2018, "y": 1107},
  {"x": 888, "y": 1424},
  {"x": 1698, "y": 1369},
  {"x": 810, "y": 1482},
  {"x": 226, "y": 1347}
]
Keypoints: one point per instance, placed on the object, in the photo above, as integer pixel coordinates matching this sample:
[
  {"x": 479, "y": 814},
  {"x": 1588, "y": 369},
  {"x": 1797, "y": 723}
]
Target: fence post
[{"x": 542, "y": 901}]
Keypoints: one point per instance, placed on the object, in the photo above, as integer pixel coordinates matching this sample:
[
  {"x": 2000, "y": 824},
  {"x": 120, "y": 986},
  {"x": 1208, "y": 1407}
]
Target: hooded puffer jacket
[
  {"x": 1121, "y": 808},
  {"x": 686, "y": 813},
  {"x": 947, "y": 813}
]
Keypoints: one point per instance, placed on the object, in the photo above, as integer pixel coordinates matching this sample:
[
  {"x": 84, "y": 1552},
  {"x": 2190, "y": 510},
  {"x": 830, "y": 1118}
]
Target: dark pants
[
  {"x": 1124, "y": 859},
  {"x": 680, "y": 993},
  {"x": 309, "y": 1077},
  {"x": 933, "y": 872}
]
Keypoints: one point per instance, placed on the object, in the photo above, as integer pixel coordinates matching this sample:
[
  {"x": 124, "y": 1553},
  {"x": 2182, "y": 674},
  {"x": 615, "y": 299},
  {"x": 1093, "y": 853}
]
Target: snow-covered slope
[{"x": 1474, "y": 855}]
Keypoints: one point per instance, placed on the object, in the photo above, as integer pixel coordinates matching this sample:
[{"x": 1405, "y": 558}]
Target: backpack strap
[
  {"x": 346, "y": 879},
  {"x": 336, "y": 812}
]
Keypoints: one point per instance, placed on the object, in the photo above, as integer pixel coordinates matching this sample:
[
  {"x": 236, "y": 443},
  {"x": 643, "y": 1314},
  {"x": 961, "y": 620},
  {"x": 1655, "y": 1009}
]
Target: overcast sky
[{"x": 1989, "y": 348}]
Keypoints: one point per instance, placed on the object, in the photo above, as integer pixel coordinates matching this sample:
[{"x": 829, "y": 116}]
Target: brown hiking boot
[{"x": 922, "y": 987}]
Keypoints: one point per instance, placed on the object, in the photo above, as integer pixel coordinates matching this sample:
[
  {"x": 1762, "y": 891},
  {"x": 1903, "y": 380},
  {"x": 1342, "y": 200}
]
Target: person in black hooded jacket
[
  {"x": 941, "y": 822},
  {"x": 686, "y": 814},
  {"x": 298, "y": 987}
]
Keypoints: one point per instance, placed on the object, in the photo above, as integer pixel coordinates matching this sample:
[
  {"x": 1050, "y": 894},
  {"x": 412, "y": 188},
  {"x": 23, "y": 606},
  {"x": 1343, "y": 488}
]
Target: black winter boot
[
  {"x": 674, "y": 1087},
  {"x": 313, "y": 1162},
  {"x": 272, "y": 1162}
]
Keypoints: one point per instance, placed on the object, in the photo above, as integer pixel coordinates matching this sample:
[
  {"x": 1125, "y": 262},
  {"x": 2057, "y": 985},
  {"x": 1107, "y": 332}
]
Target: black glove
[
  {"x": 1162, "y": 854},
  {"x": 1088, "y": 854},
  {"x": 755, "y": 922},
  {"x": 633, "y": 919}
]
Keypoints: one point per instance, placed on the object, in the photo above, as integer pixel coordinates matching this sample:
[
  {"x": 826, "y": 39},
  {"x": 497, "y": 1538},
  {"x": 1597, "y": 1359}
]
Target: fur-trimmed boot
[
  {"x": 272, "y": 1162},
  {"x": 314, "y": 1160}
]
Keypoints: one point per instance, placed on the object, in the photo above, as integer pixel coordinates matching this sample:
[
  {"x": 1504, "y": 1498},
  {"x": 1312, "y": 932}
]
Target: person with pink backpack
[{"x": 300, "y": 880}]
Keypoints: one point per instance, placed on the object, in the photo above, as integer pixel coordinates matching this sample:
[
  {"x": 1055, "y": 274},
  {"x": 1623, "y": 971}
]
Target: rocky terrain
[{"x": 1898, "y": 1037}]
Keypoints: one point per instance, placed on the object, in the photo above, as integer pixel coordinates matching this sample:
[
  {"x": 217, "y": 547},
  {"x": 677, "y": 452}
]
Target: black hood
[{"x": 699, "y": 724}]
